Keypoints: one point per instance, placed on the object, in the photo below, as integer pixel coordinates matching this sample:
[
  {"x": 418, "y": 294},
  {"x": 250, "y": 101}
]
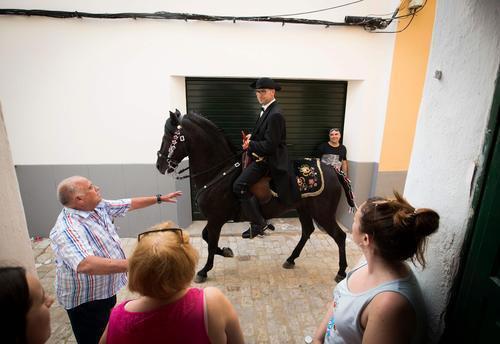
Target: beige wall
[
  {"x": 411, "y": 54},
  {"x": 15, "y": 245}
]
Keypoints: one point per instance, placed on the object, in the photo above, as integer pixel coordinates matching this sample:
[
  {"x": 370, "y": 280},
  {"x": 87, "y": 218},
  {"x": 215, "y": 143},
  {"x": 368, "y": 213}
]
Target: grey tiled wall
[{"x": 38, "y": 184}]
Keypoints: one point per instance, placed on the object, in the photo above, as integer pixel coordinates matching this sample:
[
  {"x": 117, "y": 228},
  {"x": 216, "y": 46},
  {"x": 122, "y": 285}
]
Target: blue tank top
[{"x": 345, "y": 325}]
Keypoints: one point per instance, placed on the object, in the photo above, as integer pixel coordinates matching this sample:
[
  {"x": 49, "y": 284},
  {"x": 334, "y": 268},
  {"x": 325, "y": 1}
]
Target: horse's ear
[
  {"x": 178, "y": 113},
  {"x": 174, "y": 119}
]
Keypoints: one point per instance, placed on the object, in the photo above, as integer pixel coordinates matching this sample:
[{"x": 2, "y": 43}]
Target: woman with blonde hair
[
  {"x": 168, "y": 310},
  {"x": 380, "y": 300}
]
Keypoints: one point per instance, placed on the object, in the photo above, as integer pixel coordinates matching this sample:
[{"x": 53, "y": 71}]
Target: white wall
[
  {"x": 15, "y": 246},
  {"x": 450, "y": 133},
  {"x": 84, "y": 91}
]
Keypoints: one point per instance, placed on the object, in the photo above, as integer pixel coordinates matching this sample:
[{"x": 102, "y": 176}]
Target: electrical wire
[
  {"x": 411, "y": 19},
  {"x": 316, "y": 11},
  {"x": 368, "y": 23},
  {"x": 398, "y": 10},
  {"x": 401, "y": 7},
  {"x": 167, "y": 16},
  {"x": 412, "y": 15},
  {"x": 185, "y": 16}
]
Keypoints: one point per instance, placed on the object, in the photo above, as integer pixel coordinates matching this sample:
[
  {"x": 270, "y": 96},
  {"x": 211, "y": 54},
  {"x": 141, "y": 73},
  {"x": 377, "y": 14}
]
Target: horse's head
[{"x": 173, "y": 145}]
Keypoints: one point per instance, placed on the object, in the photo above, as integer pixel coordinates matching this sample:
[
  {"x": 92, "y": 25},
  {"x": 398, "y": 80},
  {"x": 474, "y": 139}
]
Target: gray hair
[{"x": 68, "y": 188}]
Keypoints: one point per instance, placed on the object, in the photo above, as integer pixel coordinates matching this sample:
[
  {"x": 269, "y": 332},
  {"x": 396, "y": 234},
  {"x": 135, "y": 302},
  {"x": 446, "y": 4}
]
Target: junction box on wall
[{"x": 415, "y": 4}]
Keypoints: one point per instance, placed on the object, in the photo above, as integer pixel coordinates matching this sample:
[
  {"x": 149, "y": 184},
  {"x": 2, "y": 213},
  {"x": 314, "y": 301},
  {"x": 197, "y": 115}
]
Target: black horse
[{"x": 214, "y": 165}]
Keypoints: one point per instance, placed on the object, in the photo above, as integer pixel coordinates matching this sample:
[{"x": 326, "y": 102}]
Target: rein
[
  {"x": 233, "y": 168},
  {"x": 207, "y": 170}
]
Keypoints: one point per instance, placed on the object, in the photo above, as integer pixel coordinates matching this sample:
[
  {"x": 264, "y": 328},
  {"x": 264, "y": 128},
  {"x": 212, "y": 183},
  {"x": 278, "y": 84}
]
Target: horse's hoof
[
  {"x": 200, "y": 279},
  {"x": 339, "y": 277},
  {"x": 288, "y": 265},
  {"x": 227, "y": 252},
  {"x": 271, "y": 227}
]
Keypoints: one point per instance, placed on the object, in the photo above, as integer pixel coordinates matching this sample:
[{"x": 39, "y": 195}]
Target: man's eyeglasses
[{"x": 143, "y": 234}]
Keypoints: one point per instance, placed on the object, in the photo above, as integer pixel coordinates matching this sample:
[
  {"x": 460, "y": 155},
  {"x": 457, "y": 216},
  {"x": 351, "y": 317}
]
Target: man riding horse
[
  {"x": 266, "y": 147},
  {"x": 214, "y": 165}
]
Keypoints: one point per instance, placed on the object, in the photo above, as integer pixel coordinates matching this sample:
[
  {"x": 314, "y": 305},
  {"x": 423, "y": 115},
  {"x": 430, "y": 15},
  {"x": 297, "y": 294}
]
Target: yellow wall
[{"x": 411, "y": 53}]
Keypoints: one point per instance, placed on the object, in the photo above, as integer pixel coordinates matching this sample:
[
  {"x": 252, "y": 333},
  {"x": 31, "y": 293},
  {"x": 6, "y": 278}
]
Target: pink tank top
[{"x": 180, "y": 322}]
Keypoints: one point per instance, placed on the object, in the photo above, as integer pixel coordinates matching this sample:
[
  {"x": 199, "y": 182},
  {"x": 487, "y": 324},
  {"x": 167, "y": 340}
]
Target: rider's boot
[
  {"x": 246, "y": 234},
  {"x": 258, "y": 224}
]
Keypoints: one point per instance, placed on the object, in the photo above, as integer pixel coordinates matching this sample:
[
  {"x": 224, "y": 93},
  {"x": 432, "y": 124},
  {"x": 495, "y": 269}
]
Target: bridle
[{"x": 173, "y": 164}]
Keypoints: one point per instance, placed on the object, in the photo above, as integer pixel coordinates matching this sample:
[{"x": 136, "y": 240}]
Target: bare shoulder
[
  {"x": 390, "y": 302},
  {"x": 390, "y": 319},
  {"x": 218, "y": 307},
  {"x": 223, "y": 325},
  {"x": 213, "y": 293},
  {"x": 215, "y": 298},
  {"x": 393, "y": 311}
]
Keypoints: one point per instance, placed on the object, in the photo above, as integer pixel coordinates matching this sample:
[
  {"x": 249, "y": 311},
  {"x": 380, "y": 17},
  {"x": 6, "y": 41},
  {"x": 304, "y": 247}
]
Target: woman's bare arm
[
  {"x": 223, "y": 325},
  {"x": 319, "y": 335},
  {"x": 389, "y": 318},
  {"x": 104, "y": 335}
]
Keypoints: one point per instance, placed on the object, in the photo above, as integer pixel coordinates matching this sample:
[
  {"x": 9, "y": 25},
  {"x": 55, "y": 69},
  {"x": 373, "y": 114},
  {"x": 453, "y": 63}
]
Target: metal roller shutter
[{"x": 310, "y": 107}]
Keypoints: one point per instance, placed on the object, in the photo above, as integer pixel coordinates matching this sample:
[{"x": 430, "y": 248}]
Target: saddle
[{"x": 261, "y": 190}]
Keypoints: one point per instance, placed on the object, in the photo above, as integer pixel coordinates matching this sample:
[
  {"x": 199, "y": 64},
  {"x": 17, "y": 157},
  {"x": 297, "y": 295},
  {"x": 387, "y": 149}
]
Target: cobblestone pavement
[{"x": 275, "y": 305}]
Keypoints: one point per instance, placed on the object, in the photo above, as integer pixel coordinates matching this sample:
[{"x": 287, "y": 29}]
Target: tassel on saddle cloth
[{"x": 346, "y": 184}]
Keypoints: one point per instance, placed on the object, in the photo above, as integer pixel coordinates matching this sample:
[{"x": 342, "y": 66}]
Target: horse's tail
[{"x": 346, "y": 184}]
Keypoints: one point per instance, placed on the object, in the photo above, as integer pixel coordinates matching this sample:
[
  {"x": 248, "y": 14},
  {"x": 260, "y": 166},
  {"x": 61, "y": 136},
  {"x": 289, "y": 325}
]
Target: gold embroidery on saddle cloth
[
  {"x": 306, "y": 170},
  {"x": 310, "y": 175}
]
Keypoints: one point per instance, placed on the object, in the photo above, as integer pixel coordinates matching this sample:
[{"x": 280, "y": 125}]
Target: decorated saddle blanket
[
  {"x": 309, "y": 177},
  {"x": 310, "y": 180}
]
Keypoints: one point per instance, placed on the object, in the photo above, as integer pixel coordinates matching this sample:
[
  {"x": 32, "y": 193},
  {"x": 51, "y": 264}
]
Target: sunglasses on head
[{"x": 143, "y": 234}]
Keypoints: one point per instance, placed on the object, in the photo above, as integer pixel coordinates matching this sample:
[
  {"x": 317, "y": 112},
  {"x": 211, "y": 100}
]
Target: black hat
[{"x": 266, "y": 83}]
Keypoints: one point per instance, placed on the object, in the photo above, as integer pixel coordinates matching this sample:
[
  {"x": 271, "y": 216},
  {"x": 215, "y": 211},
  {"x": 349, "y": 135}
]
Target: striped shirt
[{"x": 78, "y": 234}]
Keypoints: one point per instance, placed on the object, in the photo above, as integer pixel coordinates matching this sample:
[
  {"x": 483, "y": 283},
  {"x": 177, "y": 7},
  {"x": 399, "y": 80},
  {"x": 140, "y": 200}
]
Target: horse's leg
[
  {"x": 225, "y": 251},
  {"x": 334, "y": 230},
  {"x": 204, "y": 234},
  {"x": 212, "y": 233},
  {"x": 307, "y": 229}
]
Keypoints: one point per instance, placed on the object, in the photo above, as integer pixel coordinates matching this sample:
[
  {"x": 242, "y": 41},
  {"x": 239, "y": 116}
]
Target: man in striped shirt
[{"x": 90, "y": 263}]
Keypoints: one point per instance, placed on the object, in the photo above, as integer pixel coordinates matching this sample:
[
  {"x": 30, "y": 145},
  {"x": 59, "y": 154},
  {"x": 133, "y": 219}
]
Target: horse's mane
[{"x": 209, "y": 127}]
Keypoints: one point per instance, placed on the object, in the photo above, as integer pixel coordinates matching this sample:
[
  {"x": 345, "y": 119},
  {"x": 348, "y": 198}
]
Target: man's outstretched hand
[{"x": 171, "y": 197}]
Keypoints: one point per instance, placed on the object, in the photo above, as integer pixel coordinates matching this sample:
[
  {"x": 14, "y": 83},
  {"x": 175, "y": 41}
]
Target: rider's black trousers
[{"x": 248, "y": 177}]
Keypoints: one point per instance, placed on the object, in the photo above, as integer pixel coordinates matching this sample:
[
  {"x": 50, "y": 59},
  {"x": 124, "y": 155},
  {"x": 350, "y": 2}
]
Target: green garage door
[{"x": 310, "y": 108}]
